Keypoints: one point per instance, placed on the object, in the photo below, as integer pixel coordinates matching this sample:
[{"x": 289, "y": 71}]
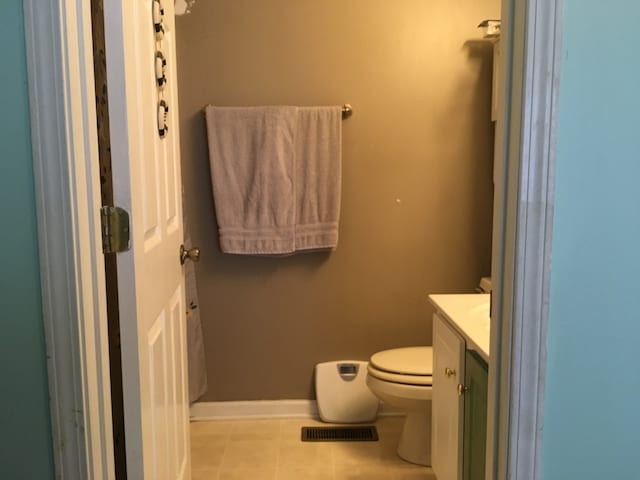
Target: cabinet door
[
  {"x": 475, "y": 417},
  {"x": 447, "y": 405}
]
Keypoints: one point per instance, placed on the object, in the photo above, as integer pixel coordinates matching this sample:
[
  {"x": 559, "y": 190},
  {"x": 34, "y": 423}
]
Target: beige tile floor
[{"x": 271, "y": 449}]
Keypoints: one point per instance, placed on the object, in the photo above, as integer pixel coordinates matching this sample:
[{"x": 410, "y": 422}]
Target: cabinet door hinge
[{"x": 115, "y": 229}]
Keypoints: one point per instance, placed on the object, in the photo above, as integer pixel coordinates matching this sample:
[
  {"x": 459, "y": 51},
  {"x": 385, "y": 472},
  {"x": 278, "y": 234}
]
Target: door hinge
[{"x": 115, "y": 229}]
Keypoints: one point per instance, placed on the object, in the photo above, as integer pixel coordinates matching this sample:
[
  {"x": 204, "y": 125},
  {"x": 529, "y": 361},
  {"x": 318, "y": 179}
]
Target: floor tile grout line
[
  {"x": 275, "y": 475},
  {"x": 224, "y": 452},
  {"x": 333, "y": 462}
]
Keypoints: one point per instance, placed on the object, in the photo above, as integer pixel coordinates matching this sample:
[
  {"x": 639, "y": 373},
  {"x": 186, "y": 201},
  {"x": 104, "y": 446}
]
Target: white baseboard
[
  {"x": 203, "y": 411},
  {"x": 254, "y": 409}
]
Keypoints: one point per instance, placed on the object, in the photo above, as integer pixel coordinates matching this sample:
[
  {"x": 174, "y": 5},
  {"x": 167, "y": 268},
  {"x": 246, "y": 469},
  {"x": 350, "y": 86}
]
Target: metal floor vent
[{"x": 340, "y": 434}]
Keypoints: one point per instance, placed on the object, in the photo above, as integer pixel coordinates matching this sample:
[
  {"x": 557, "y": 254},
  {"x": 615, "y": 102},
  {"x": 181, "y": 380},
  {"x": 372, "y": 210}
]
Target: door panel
[
  {"x": 146, "y": 178},
  {"x": 157, "y": 348},
  {"x": 475, "y": 417},
  {"x": 179, "y": 416}
]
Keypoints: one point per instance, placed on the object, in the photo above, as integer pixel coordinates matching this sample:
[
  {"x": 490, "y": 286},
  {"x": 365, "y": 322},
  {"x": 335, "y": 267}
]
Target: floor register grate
[{"x": 339, "y": 434}]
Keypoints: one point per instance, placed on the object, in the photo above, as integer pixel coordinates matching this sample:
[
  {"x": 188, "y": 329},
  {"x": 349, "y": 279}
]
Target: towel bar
[{"x": 347, "y": 110}]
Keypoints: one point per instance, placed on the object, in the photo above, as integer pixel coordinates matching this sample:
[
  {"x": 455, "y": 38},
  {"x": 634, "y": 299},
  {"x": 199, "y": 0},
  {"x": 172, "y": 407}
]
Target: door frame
[
  {"x": 522, "y": 236},
  {"x": 66, "y": 173}
]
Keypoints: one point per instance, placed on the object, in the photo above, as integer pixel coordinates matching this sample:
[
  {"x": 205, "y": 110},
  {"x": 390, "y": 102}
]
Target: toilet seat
[
  {"x": 409, "y": 365},
  {"x": 419, "y": 380}
]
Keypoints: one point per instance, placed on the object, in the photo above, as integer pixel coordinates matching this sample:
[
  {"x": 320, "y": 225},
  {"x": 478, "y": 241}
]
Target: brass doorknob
[
  {"x": 191, "y": 254},
  {"x": 462, "y": 389}
]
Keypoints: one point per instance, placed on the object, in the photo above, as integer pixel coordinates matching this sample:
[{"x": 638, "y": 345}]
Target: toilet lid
[{"x": 405, "y": 361}]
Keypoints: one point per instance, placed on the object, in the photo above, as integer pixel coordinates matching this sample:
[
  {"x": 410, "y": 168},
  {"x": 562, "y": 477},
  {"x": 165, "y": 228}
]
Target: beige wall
[{"x": 417, "y": 192}]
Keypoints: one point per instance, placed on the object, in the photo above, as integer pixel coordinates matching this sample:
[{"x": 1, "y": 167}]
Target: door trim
[
  {"x": 66, "y": 175},
  {"x": 65, "y": 155},
  {"x": 523, "y": 219}
]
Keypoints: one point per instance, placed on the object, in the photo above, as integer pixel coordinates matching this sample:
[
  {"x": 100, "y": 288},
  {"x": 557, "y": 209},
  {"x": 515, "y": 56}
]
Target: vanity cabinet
[
  {"x": 447, "y": 405},
  {"x": 459, "y": 406}
]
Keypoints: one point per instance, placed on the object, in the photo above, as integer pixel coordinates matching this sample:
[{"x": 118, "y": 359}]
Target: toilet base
[{"x": 415, "y": 441}]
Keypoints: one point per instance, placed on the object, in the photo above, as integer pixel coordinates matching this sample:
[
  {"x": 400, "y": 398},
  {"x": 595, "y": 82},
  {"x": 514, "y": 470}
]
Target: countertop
[{"x": 469, "y": 315}]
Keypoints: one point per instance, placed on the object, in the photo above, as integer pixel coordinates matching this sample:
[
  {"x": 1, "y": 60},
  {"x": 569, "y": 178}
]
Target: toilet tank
[{"x": 342, "y": 392}]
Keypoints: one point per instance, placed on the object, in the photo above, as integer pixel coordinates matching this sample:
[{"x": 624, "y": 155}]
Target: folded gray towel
[
  {"x": 276, "y": 177},
  {"x": 252, "y": 152}
]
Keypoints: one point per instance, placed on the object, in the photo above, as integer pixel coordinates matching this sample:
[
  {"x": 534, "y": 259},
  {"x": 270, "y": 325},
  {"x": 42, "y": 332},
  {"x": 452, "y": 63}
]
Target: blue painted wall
[
  {"x": 25, "y": 433},
  {"x": 592, "y": 405}
]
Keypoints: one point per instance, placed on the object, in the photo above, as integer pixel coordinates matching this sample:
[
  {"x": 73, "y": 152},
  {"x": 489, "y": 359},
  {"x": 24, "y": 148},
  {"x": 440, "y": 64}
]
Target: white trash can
[{"x": 342, "y": 392}]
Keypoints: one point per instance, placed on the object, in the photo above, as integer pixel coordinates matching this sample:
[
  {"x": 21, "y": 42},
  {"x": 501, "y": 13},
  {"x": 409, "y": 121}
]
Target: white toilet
[{"x": 402, "y": 378}]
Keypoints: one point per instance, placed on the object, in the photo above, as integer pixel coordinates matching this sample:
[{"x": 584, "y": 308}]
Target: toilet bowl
[{"x": 401, "y": 377}]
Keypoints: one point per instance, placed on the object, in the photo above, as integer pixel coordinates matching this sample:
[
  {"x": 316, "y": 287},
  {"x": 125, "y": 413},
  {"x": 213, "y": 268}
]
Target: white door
[
  {"x": 146, "y": 182},
  {"x": 447, "y": 405}
]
